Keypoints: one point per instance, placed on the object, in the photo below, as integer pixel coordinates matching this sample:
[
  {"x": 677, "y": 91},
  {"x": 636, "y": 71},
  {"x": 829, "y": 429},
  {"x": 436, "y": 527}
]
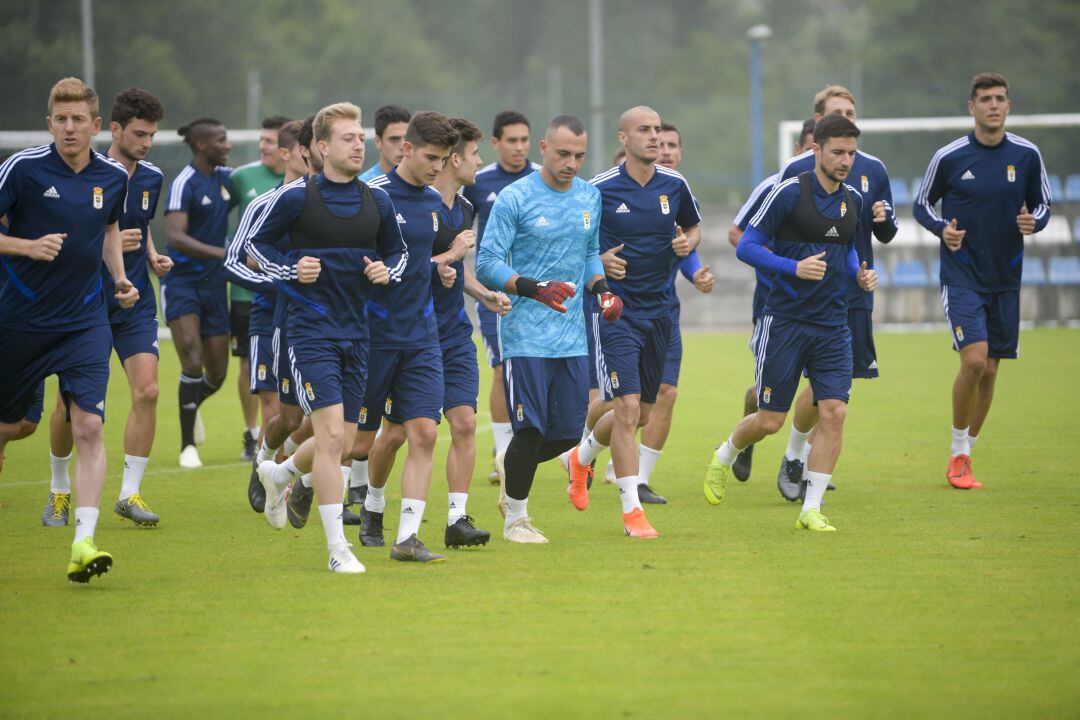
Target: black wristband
[
  {"x": 600, "y": 287},
  {"x": 526, "y": 287}
]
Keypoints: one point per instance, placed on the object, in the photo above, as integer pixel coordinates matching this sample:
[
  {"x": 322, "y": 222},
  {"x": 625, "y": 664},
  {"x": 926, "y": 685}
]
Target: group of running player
[{"x": 353, "y": 333}]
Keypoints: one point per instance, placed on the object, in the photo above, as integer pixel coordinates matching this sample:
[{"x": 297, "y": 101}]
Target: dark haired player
[{"x": 391, "y": 122}]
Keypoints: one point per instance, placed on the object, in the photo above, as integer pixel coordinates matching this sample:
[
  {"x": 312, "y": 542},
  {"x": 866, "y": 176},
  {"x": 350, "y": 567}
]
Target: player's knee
[
  {"x": 86, "y": 430},
  {"x": 628, "y": 411},
  {"x": 423, "y": 434},
  {"x": 145, "y": 395},
  {"x": 24, "y": 429},
  {"x": 832, "y": 413},
  {"x": 667, "y": 395},
  {"x": 974, "y": 363},
  {"x": 331, "y": 439},
  {"x": 463, "y": 425},
  {"x": 770, "y": 423},
  {"x": 990, "y": 371}
]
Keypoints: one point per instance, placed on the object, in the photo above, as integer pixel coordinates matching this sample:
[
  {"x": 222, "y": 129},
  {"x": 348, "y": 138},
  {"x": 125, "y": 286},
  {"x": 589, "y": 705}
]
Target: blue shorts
[
  {"x": 992, "y": 318},
  {"x": 863, "y": 351},
  {"x": 761, "y": 292},
  {"x": 489, "y": 332},
  {"x": 134, "y": 333},
  {"x": 329, "y": 372},
  {"x": 403, "y": 385},
  {"x": 37, "y": 407},
  {"x": 79, "y": 357},
  {"x": 786, "y": 347},
  {"x": 461, "y": 375},
  {"x": 283, "y": 368},
  {"x": 633, "y": 351},
  {"x": 206, "y": 298},
  {"x": 673, "y": 359},
  {"x": 549, "y": 394},
  {"x": 263, "y": 372}
]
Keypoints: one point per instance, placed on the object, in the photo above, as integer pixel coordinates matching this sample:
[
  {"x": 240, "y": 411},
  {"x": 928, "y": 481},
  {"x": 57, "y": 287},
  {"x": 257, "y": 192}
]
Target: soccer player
[
  {"x": 133, "y": 124},
  {"x": 811, "y": 221},
  {"x": 391, "y": 122},
  {"x": 547, "y": 224},
  {"x": 62, "y": 203},
  {"x": 744, "y": 462},
  {"x": 248, "y": 182},
  {"x": 510, "y": 141},
  {"x": 643, "y": 203},
  {"x": 993, "y": 190},
  {"x": 265, "y": 345},
  {"x": 194, "y": 299},
  {"x": 342, "y": 232},
  {"x": 405, "y": 384},
  {"x": 878, "y": 221}
]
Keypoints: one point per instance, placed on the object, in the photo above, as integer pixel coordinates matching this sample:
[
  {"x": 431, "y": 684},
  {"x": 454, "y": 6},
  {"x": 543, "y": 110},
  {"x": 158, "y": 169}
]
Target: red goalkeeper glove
[
  {"x": 611, "y": 305},
  {"x": 549, "y": 292}
]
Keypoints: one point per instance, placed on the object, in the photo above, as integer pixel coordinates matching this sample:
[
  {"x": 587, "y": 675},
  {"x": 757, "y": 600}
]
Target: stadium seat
[
  {"x": 909, "y": 274},
  {"x": 1076, "y": 230},
  {"x": 882, "y": 275},
  {"x": 900, "y": 195},
  {"x": 1057, "y": 190},
  {"x": 935, "y": 271},
  {"x": 1034, "y": 272},
  {"x": 1064, "y": 271},
  {"x": 1072, "y": 188},
  {"x": 909, "y": 234},
  {"x": 1056, "y": 232}
]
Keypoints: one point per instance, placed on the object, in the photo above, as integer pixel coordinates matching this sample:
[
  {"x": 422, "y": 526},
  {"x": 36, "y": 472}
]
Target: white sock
[
  {"x": 290, "y": 446},
  {"x": 331, "y": 522},
  {"x": 412, "y": 513},
  {"x": 375, "y": 500},
  {"x": 254, "y": 431},
  {"x": 515, "y": 510},
  {"x": 286, "y": 472},
  {"x": 266, "y": 453},
  {"x": 972, "y": 439},
  {"x": 134, "y": 467},
  {"x": 586, "y": 432},
  {"x": 647, "y": 458},
  {"x": 727, "y": 452},
  {"x": 457, "y": 507},
  {"x": 806, "y": 454},
  {"x": 796, "y": 444},
  {"x": 61, "y": 480},
  {"x": 589, "y": 448},
  {"x": 816, "y": 483},
  {"x": 305, "y": 480},
  {"x": 960, "y": 442},
  {"x": 503, "y": 433},
  {"x": 346, "y": 476},
  {"x": 359, "y": 473},
  {"x": 628, "y": 493},
  {"x": 85, "y": 523}
]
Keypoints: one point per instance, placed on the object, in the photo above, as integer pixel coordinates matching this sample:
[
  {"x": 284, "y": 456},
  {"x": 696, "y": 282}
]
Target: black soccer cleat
[
  {"x": 250, "y": 447},
  {"x": 356, "y": 495},
  {"x": 741, "y": 466},
  {"x": 371, "y": 528},
  {"x": 789, "y": 480},
  {"x": 464, "y": 533},
  {"x": 299, "y": 504},
  {"x": 348, "y": 517},
  {"x": 412, "y": 550},
  {"x": 256, "y": 491},
  {"x": 648, "y": 496}
]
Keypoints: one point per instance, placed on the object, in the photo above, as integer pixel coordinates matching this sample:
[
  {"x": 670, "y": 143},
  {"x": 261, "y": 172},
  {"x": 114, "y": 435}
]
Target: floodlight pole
[
  {"x": 87, "y": 11},
  {"x": 755, "y": 35},
  {"x": 596, "y": 85}
]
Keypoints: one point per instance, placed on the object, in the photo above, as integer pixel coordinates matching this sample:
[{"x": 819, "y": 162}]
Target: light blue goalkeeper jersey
[{"x": 543, "y": 234}]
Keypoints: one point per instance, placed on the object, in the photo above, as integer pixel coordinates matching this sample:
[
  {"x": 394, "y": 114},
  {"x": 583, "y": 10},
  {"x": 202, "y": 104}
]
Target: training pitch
[{"x": 928, "y": 602}]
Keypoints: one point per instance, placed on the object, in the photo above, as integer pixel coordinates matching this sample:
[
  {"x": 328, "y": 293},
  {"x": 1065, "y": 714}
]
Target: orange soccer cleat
[
  {"x": 959, "y": 473},
  {"x": 579, "y": 481},
  {"x": 637, "y": 525}
]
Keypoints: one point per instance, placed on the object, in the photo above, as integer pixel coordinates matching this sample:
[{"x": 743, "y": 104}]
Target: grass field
[{"x": 929, "y": 602}]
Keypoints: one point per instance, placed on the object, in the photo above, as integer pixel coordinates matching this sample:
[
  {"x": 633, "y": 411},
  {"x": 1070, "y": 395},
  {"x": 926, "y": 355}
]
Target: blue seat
[
  {"x": 1076, "y": 230},
  {"x": 1034, "y": 272},
  {"x": 882, "y": 275},
  {"x": 910, "y": 274},
  {"x": 1072, "y": 188},
  {"x": 935, "y": 271},
  {"x": 1057, "y": 190},
  {"x": 1064, "y": 270},
  {"x": 916, "y": 186},
  {"x": 900, "y": 195}
]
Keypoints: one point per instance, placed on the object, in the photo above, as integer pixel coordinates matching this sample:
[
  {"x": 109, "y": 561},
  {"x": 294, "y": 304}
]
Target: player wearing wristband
[
  {"x": 811, "y": 221},
  {"x": 547, "y": 224}
]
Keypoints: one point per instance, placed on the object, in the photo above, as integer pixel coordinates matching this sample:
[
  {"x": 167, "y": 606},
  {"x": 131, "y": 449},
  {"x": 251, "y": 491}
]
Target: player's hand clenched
[
  {"x": 880, "y": 214},
  {"x": 812, "y": 267},
  {"x": 614, "y": 266},
  {"x": 867, "y": 278},
  {"x": 126, "y": 293},
  {"x": 680, "y": 243},
  {"x": 610, "y": 306},
  {"x": 376, "y": 272},
  {"x": 549, "y": 292},
  {"x": 130, "y": 239},
  {"x": 160, "y": 264},
  {"x": 465, "y": 240},
  {"x": 46, "y": 247},
  {"x": 308, "y": 269},
  {"x": 447, "y": 274},
  {"x": 953, "y": 237},
  {"x": 704, "y": 280},
  {"x": 1025, "y": 221},
  {"x": 497, "y": 303}
]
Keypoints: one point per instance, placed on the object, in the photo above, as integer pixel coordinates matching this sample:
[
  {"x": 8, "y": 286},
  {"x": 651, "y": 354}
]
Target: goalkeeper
[{"x": 541, "y": 245}]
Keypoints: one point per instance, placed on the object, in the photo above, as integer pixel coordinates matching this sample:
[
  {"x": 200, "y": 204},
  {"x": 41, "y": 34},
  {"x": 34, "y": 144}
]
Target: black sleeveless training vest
[
  {"x": 318, "y": 228},
  {"x": 446, "y": 234},
  {"x": 807, "y": 225}
]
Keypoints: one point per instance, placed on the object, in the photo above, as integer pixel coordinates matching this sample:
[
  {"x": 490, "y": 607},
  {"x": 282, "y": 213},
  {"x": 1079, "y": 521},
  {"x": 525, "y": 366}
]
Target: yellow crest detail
[
  {"x": 262, "y": 371},
  {"x": 309, "y": 391},
  {"x": 363, "y": 415},
  {"x": 388, "y": 406},
  {"x": 959, "y": 334},
  {"x": 285, "y": 385},
  {"x": 843, "y": 208},
  {"x": 766, "y": 394},
  {"x": 664, "y": 206},
  {"x": 586, "y": 219},
  {"x": 865, "y": 184},
  {"x": 520, "y": 412},
  {"x": 435, "y": 221},
  {"x": 99, "y": 198},
  {"x": 1010, "y": 173},
  {"x": 146, "y": 200},
  {"x": 614, "y": 379}
]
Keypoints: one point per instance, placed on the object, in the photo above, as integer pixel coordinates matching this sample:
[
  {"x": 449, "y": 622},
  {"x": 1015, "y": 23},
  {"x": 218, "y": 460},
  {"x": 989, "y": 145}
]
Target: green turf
[{"x": 928, "y": 602}]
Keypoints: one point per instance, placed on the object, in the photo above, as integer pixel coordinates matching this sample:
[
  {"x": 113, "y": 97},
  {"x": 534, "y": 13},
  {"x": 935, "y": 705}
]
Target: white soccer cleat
[
  {"x": 189, "y": 458},
  {"x": 200, "y": 429},
  {"x": 343, "y": 561},
  {"x": 277, "y": 497},
  {"x": 522, "y": 531},
  {"x": 609, "y": 473}
]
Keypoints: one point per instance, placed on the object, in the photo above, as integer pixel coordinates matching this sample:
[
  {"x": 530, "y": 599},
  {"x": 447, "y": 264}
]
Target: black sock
[
  {"x": 206, "y": 388},
  {"x": 520, "y": 462},
  {"x": 189, "y": 405}
]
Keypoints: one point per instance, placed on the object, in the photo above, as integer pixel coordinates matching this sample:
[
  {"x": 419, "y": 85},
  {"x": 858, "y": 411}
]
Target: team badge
[
  {"x": 865, "y": 184},
  {"x": 262, "y": 371},
  {"x": 225, "y": 194},
  {"x": 1010, "y": 173},
  {"x": 99, "y": 197},
  {"x": 363, "y": 415},
  {"x": 843, "y": 208},
  {"x": 284, "y": 386},
  {"x": 586, "y": 219},
  {"x": 521, "y": 408},
  {"x": 388, "y": 406},
  {"x": 309, "y": 391},
  {"x": 664, "y": 207},
  {"x": 435, "y": 221},
  {"x": 766, "y": 394},
  {"x": 614, "y": 379},
  {"x": 959, "y": 333},
  {"x": 146, "y": 200}
]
